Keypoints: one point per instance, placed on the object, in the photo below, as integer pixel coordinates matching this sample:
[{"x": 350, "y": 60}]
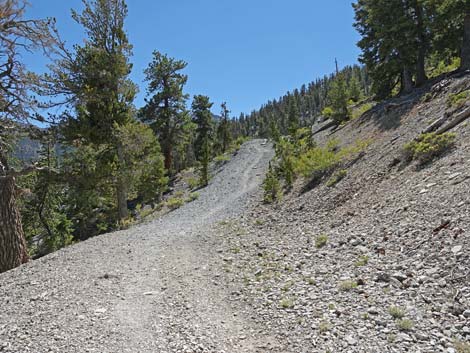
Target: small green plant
[
  {"x": 126, "y": 223},
  {"x": 362, "y": 261},
  {"x": 193, "y": 196},
  {"x": 462, "y": 347},
  {"x": 259, "y": 222},
  {"x": 360, "y": 110},
  {"x": 427, "y": 97},
  {"x": 324, "y": 327},
  {"x": 222, "y": 159},
  {"x": 317, "y": 162},
  {"x": 310, "y": 281},
  {"x": 192, "y": 182},
  {"x": 321, "y": 241},
  {"x": 174, "y": 202},
  {"x": 429, "y": 146},
  {"x": 236, "y": 145},
  {"x": 287, "y": 303},
  {"x": 440, "y": 67},
  {"x": 146, "y": 212},
  {"x": 179, "y": 193},
  {"x": 405, "y": 325},
  {"x": 337, "y": 177},
  {"x": 327, "y": 112},
  {"x": 346, "y": 286},
  {"x": 287, "y": 286},
  {"x": 272, "y": 187},
  {"x": 396, "y": 312},
  {"x": 458, "y": 99},
  {"x": 331, "y": 307},
  {"x": 285, "y": 152}
]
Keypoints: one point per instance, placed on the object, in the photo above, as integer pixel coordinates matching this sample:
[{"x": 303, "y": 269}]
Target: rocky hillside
[{"x": 379, "y": 262}]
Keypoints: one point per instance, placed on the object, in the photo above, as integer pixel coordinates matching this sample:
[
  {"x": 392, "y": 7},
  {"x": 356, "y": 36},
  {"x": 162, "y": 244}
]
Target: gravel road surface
[{"x": 152, "y": 288}]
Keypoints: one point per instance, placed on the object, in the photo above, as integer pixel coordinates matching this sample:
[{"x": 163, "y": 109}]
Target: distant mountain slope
[{"x": 26, "y": 149}]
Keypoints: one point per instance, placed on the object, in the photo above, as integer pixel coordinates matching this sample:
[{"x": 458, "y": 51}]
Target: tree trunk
[
  {"x": 13, "y": 251},
  {"x": 465, "y": 54},
  {"x": 421, "y": 77},
  {"x": 406, "y": 81},
  {"x": 121, "y": 188},
  {"x": 168, "y": 156}
]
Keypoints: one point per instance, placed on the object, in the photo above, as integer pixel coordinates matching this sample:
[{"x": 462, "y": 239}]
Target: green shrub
[
  {"x": 287, "y": 303},
  {"x": 174, "y": 202},
  {"x": 146, "y": 212},
  {"x": 179, "y": 193},
  {"x": 429, "y": 146},
  {"x": 363, "y": 260},
  {"x": 321, "y": 241},
  {"x": 440, "y": 67},
  {"x": 396, "y": 312},
  {"x": 457, "y": 100},
  {"x": 272, "y": 187},
  {"x": 193, "y": 196},
  {"x": 361, "y": 110},
  {"x": 192, "y": 182},
  {"x": 324, "y": 327},
  {"x": 236, "y": 145},
  {"x": 427, "y": 97},
  {"x": 317, "y": 162},
  {"x": 285, "y": 151},
  {"x": 327, "y": 112},
  {"x": 346, "y": 286},
  {"x": 353, "y": 150},
  {"x": 405, "y": 325},
  {"x": 337, "y": 177},
  {"x": 222, "y": 159}
]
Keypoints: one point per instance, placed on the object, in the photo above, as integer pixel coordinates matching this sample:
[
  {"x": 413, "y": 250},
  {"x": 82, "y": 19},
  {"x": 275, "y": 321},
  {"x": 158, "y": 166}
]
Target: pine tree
[
  {"x": 338, "y": 99},
  {"x": 394, "y": 42},
  {"x": 97, "y": 79},
  {"x": 202, "y": 117},
  {"x": 293, "y": 116},
  {"x": 16, "y": 32},
  {"x": 44, "y": 214},
  {"x": 224, "y": 135},
  {"x": 271, "y": 185},
  {"x": 451, "y": 28},
  {"x": 143, "y": 167},
  {"x": 165, "y": 110},
  {"x": 354, "y": 89}
]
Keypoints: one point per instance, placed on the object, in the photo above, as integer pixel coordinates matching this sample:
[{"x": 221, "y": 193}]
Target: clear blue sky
[{"x": 244, "y": 52}]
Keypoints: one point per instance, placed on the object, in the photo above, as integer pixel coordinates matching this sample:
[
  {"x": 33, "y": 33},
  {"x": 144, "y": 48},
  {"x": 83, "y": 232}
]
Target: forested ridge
[
  {"x": 102, "y": 157},
  {"x": 404, "y": 44}
]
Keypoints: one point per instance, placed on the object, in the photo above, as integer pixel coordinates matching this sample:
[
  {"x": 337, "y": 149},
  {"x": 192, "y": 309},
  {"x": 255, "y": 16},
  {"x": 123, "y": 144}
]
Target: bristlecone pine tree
[
  {"x": 224, "y": 135},
  {"x": 16, "y": 33},
  {"x": 165, "y": 110},
  {"x": 202, "y": 117},
  {"x": 95, "y": 79}
]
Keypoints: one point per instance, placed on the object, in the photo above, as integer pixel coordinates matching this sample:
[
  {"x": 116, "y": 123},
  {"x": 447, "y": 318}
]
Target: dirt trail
[{"x": 153, "y": 288}]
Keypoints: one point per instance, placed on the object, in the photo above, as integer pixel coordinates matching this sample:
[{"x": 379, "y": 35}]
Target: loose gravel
[
  {"x": 152, "y": 288},
  {"x": 394, "y": 272}
]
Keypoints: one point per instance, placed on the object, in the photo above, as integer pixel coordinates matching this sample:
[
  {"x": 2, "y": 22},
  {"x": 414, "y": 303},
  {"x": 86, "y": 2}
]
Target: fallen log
[
  {"x": 326, "y": 127},
  {"x": 435, "y": 125},
  {"x": 460, "y": 118}
]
